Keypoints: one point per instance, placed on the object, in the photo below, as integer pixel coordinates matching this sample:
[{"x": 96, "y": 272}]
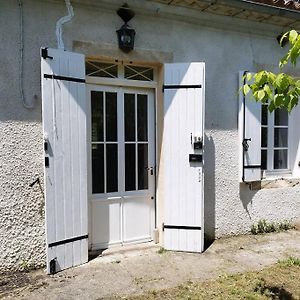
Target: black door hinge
[
  {"x": 47, "y": 162},
  {"x": 52, "y": 266},
  {"x": 44, "y": 53}
]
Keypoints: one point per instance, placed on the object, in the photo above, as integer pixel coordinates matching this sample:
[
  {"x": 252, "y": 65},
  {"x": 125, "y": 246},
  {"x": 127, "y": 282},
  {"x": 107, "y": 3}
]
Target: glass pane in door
[
  {"x": 111, "y": 117},
  {"x": 129, "y": 117},
  {"x": 97, "y": 116},
  {"x": 142, "y": 114},
  {"x": 111, "y": 168},
  {"x": 130, "y": 174},
  {"x": 98, "y": 168},
  {"x": 143, "y": 166}
]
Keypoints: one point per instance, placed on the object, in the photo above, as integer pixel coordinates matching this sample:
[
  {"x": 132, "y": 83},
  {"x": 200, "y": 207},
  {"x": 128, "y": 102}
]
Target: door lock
[{"x": 150, "y": 169}]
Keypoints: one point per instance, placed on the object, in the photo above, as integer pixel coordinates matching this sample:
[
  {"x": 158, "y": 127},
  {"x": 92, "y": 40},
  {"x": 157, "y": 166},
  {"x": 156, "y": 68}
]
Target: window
[
  {"x": 274, "y": 139},
  {"x": 119, "y": 70}
]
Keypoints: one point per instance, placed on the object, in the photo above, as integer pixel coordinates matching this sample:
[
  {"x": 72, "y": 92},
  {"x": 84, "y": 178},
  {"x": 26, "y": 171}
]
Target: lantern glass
[{"x": 126, "y": 38}]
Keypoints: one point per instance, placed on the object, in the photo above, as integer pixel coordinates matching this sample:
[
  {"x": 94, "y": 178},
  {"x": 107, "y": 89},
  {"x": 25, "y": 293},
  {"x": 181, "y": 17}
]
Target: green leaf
[
  {"x": 283, "y": 61},
  {"x": 278, "y": 100},
  {"x": 248, "y": 76},
  {"x": 293, "y": 35},
  {"x": 281, "y": 82},
  {"x": 261, "y": 95},
  {"x": 246, "y": 89},
  {"x": 271, "y": 106},
  {"x": 268, "y": 90}
]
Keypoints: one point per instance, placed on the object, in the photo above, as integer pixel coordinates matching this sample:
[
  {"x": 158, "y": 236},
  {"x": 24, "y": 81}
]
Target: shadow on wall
[
  {"x": 209, "y": 191},
  {"x": 246, "y": 196}
]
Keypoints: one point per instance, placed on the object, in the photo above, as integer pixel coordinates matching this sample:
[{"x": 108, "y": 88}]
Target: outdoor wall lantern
[{"x": 125, "y": 33}]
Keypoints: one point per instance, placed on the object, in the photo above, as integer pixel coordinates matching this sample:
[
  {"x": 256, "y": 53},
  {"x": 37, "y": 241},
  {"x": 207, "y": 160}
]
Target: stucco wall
[{"x": 229, "y": 46}]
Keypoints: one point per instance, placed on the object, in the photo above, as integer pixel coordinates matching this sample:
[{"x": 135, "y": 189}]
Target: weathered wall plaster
[{"x": 230, "y": 208}]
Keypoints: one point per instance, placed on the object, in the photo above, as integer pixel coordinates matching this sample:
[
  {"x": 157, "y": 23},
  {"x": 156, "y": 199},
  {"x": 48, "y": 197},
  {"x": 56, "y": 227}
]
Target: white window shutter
[
  {"x": 294, "y": 141},
  {"x": 64, "y": 125},
  {"x": 249, "y": 135},
  {"x": 183, "y": 178}
]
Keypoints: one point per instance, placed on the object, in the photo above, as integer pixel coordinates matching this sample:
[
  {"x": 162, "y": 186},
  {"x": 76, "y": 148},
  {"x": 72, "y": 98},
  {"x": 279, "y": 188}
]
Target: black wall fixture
[{"x": 126, "y": 34}]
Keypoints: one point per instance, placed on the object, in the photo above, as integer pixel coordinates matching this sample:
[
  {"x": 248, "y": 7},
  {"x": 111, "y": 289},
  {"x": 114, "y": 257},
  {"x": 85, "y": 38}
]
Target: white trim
[{"x": 120, "y": 82}]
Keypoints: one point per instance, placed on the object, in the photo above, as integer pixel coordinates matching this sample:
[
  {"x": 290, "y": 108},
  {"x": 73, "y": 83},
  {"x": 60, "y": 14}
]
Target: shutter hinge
[
  {"x": 52, "y": 266},
  {"x": 46, "y": 161},
  {"x": 180, "y": 86},
  {"x": 44, "y": 53}
]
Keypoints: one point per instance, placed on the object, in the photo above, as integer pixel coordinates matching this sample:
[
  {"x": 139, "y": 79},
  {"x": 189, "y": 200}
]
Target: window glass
[
  {"x": 264, "y": 136},
  {"x": 129, "y": 109},
  {"x": 280, "y": 159},
  {"x": 97, "y": 116},
  {"x": 130, "y": 173},
  {"x": 100, "y": 69},
  {"x": 281, "y": 117},
  {"x": 142, "y": 166},
  {"x": 111, "y": 168},
  {"x": 280, "y": 137},
  {"x": 264, "y": 159},
  {"x": 111, "y": 117},
  {"x": 138, "y": 73},
  {"x": 264, "y": 115},
  {"x": 98, "y": 168},
  {"x": 142, "y": 117}
]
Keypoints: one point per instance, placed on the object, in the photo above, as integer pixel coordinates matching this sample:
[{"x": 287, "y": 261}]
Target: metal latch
[{"x": 245, "y": 144}]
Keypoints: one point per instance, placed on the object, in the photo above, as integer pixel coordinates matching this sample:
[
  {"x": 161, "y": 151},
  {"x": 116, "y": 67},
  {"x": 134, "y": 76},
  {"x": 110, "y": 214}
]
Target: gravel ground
[{"x": 133, "y": 270}]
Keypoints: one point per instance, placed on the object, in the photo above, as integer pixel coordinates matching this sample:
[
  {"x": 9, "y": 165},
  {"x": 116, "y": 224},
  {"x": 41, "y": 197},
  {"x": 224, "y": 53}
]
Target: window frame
[{"x": 270, "y": 148}]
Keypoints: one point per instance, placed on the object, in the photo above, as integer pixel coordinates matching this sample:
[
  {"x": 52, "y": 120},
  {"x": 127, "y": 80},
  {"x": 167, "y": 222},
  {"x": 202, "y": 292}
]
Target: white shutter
[
  {"x": 249, "y": 136},
  {"x": 294, "y": 141},
  {"x": 183, "y": 179},
  {"x": 64, "y": 124}
]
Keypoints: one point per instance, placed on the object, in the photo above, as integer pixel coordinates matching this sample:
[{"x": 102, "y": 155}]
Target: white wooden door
[
  {"x": 64, "y": 125},
  {"x": 183, "y": 142},
  {"x": 122, "y": 143}
]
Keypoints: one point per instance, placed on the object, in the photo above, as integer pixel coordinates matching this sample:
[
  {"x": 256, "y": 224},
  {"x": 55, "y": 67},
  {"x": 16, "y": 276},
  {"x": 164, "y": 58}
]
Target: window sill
[{"x": 276, "y": 181}]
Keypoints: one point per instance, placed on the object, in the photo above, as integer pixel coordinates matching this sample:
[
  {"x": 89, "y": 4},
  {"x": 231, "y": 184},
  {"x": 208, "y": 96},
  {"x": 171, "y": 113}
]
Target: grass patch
[
  {"x": 291, "y": 261},
  {"x": 280, "y": 281},
  {"x": 162, "y": 250},
  {"x": 262, "y": 226}
]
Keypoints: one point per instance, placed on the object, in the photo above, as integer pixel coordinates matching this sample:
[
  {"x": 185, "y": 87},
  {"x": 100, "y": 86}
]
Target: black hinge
[
  {"x": 46, "y": 161},
  {"x": 44, "y": 53},
  {"x": 70, "y": 240},
  {"x": 66, "y": 78},
  {"x": 52, "y": 266},
  {"x": 181, "y": 86},
  {"x": 180, "y": 227}
]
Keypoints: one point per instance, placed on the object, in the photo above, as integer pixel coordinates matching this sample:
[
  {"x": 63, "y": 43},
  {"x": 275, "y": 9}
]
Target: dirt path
[{"x": 138, "y": 269}]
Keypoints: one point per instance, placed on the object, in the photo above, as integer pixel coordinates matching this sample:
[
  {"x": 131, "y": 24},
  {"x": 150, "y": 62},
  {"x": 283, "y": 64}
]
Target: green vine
[{"x": 277, "y": 90}]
